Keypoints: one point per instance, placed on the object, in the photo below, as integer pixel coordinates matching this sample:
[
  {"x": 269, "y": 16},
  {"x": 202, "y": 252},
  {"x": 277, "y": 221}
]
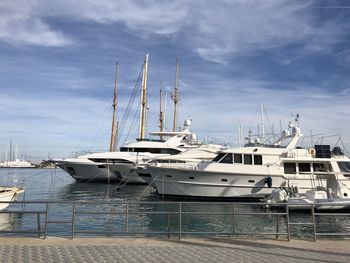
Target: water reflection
[{"x": 55, "y": 185}]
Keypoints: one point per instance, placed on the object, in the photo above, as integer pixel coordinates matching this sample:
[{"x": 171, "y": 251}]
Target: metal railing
[{"x": 173, "y": 216}]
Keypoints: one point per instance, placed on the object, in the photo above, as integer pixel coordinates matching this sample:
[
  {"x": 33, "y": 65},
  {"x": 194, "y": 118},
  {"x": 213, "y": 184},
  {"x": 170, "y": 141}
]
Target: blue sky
[{"x": 57, "y": 66}]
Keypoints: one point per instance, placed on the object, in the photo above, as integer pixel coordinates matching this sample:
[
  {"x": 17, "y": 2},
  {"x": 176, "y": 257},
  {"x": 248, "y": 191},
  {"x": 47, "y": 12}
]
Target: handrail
[{"x": 177, "y": 209}]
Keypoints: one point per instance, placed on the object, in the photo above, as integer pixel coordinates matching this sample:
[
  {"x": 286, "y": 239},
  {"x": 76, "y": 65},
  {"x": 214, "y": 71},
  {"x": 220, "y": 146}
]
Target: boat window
[
  {"x": 322, "y": 167},
  {"x": 237, "y": 158},
  {"x": 290, "y": 168},
  {"x": 304, "y": 167},
  {"x": 125, "y": 149},
  {"x": 144, "y": 175},
  {"x": 344, "y": 168},
  {"x": 258, "y": 159},
  {"x": 219, "y": 157},
  {"x": 103, "y": 160},
  {"x": 174, "y": 151},
  {"x": 227, "y": 158},
  {"x": 248, "y": 159}
]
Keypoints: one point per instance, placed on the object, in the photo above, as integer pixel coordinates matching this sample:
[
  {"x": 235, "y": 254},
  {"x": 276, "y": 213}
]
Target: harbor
[
  {"x": 56, "y": 206},
  {"x": 174, "y": 131}
]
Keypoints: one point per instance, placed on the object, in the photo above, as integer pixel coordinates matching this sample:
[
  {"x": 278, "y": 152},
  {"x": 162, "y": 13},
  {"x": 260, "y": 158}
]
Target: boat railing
[{"x": 169, "y": 219}]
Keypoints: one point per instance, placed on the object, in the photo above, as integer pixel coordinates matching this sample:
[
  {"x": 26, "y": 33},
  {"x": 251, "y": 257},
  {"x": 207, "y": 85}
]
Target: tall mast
[
  {"x": 10, "y": 150},
  {"x": 114, "y": 139},
  {"x": 175, "y": 94},
  {"x": 161, "y": 117},
  {"x": 143, "y": 99}
]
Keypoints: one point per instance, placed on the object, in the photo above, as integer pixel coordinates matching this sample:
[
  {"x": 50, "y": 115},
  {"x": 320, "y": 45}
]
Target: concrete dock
[{"x": 171, "y": 250}]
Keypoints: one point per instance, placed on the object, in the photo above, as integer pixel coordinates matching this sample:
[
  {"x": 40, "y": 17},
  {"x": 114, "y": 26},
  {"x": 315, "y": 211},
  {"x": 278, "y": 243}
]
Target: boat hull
[
  {"x": 88, "y": 171},
  {"x": 200, "y": 184},
  {"x": 8, "y": 195}
]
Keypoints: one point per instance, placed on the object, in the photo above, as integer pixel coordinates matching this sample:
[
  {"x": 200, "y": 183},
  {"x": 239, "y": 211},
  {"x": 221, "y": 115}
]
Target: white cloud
[
  {"x": 217, "y": 30},
  {"x": 19, "y": 25}
]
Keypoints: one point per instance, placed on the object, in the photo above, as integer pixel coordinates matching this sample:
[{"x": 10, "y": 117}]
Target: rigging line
[
  {"x": 100, "y": 128},
  {"x": 148, "y": 186},
  {"x": 67, "y": 128},
  {"x": 131, "y": 102},
  {"x": 26, "y": 178},
  {"x": 132, "y": 124},
  {"x": 63, "y": 141}
]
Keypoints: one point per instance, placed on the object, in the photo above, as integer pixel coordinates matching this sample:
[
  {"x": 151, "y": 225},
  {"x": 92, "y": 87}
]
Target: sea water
[{"x": 108, "y": 219}]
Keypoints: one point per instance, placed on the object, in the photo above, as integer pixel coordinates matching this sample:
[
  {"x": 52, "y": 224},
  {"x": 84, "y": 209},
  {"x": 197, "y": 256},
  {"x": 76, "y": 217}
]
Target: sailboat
[
  {"x": 14, "y": 162},
  {"x": 121, "y": 165}
]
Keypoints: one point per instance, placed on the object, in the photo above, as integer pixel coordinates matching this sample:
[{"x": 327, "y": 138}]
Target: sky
[{"x": 57, "y": 68}]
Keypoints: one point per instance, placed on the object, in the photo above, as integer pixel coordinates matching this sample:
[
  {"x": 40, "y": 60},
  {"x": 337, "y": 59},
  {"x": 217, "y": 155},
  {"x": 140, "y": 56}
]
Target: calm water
[{"x": 56, "y": 185}]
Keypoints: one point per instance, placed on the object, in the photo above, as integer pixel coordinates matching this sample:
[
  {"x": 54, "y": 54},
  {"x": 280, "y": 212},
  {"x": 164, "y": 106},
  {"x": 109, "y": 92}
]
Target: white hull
[
  {"x": 8, "y": 195},
  {"x": 177, "y": 182},
  {"x": 319, "y": 204},
  {"x": 88, "y": 171},
  {"x": 184, "y": 182}
]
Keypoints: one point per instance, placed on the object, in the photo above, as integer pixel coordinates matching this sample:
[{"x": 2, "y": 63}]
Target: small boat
[
  {"x": 8, "y": 195},
  {"x": 334, "y": 196}
]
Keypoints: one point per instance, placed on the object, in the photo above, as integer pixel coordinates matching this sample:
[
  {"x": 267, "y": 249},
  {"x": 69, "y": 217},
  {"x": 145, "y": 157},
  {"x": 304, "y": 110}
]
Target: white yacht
[
  {"x": 121, "y": 166},
  {"x": 187, "y": 159},
  {"x": 17, "y": 163},
  {"x": 253, "y": 171},
  {"x": 334, "y": 195}
]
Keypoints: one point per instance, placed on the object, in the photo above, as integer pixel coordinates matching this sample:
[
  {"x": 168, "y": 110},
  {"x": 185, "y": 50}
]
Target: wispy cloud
[{"x": 217, "y": 31}]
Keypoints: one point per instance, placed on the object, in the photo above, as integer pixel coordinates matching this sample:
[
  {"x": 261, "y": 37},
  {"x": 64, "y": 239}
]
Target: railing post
[
  {"x": 180, "y": 220},
  {"x": 126, "y": 217},
  {"x": 73, "y": 220},
  {"x": 233, "y": 220},
  {"x": 288, "y": 226},
  {"x": 313, "y": 220},
  {"x": 277, "y": 226},
  {"x": 46, "y": 219},
  {"x": 168, "y": 225},
  {"x": 38, "y": 224}
]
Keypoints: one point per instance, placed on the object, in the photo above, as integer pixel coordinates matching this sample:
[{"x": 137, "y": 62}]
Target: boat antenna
[
  {"x": 143, "y": 103},
  {"x": 161, "y": 116},
  {"x": 175, "y": 94},
  {"x": 262, "y": 122},
  {"x": 114, "y": 133}
]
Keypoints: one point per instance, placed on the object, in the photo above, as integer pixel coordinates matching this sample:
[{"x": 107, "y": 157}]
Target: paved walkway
[{"x": 164, "y": 250}]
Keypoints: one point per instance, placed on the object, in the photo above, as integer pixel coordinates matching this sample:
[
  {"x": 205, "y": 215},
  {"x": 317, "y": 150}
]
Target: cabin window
[
  {"x": 257, "y": 159},
  {"x": 227, "y": 158},
  {"x": 219, "y": 157},
  {"x": 344, "y": 168},
  {"x": 323, "y": 167},
  {"x": 304, "y": 167},
  {"x": 248, "y": 159},
  {"x": 191, "y": 177},
  {"x": 100, "y": 160},
  {"x": 237, "y": 158},
  {"x": 223, "y": 180},
  {"x": 290, "y": 168},
  {"x": 144, "y": 175}
]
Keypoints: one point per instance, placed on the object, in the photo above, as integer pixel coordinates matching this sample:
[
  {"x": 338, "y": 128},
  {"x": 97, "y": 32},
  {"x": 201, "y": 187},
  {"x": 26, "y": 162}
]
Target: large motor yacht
[
  {"x": 254, "y": 170},
  {"x": 121, "y": 166},
  {"x": 188, "y": 159}
]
